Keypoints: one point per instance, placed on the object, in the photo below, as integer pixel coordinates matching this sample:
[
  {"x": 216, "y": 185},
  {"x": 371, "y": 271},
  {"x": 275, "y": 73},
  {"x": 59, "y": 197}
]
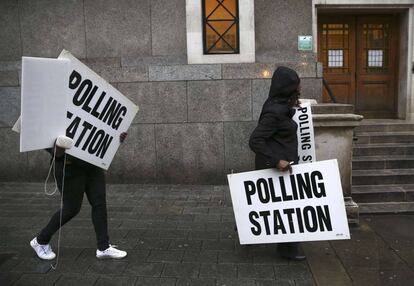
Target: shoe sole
[{"x": 108, "y": 257}]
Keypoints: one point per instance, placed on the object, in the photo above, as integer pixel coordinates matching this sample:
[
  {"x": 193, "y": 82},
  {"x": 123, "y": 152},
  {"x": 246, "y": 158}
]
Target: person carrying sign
[
  {"x": 274, "y": 140},
  {"x": 79, "y": 177}
]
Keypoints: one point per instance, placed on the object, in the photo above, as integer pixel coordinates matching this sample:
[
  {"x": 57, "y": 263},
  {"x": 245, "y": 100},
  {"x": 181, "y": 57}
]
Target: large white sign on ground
[
  {"x": 305, "y": 133},
  {"x": 307, "y": 205},
  {"x": 97, "y": 114},
  {"x": 43, "y": 102}
]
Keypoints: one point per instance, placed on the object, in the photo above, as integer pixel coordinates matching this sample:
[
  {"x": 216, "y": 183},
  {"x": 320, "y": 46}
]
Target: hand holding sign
[
  {"x": 284, "y": 166},
  {"x": 122, "y": 137}
]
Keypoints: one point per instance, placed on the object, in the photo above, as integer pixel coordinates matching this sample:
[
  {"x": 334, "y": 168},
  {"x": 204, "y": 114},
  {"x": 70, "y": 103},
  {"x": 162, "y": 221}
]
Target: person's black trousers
[{"x": 80, "y": 179}]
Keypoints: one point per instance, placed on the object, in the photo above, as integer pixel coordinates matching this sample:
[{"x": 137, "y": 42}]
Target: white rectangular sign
[
  {"x": 97, "y": 114},
  {"x": 271, "y": 206},
  {"x": 43, "y": 102},
  {"x": 305, "y": 133}
]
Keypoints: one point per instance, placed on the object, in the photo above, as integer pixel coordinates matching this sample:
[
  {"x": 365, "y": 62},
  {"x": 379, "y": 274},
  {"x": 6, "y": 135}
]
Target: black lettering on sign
[
  {"x": 118, "y": 118},
  {"x": 285, "y": 196},
  {"x": 94, "y": 111},
  {"x": 263, "y": 191},
  {"x": 250, "y": 190},
  {"x": 293, "y": 185},
  {"x": 278, "y": 223},
  {"x": 256, "y": 230},
  {"x": 96, "y": 141},
  {"x": 324, "y": 218},
  {"x": 275, "y": 198},
  {"x": 289, "y": 213},
  {"x": 74, "y": 79},
  {"x": 73, "y": 126},
  {"x": 318, "y": 188},
  {"x": 304, "y": 186},
  {"x": 113, "y": 111},
  {"x": 309, "y": 219},
  {"x": 307, "y": 158},
  {"x": 80, "y": 95},
  {"x": 86, "y": 106},
  {"x": 311, "y": 222},
  {"x": 303, "y": 117},
  {"x": 265, "y": 215},
  {"x": 300, "y": 220},
  {"x": 86, "y": 127}
]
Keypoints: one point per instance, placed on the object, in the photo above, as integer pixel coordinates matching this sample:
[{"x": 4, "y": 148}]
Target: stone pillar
[{"x": 334, "y": 131}]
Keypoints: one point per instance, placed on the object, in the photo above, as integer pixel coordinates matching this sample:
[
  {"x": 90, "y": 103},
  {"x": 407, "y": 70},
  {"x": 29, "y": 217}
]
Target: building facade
[{"x": 199, "y": 71}]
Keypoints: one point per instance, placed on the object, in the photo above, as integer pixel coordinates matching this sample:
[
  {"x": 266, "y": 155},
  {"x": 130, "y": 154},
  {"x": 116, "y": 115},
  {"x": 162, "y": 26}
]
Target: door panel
[
  {"x": 336, "y": 50},
  {"x": 359, "y": 57},
  {"x": 376, "y": 66}
]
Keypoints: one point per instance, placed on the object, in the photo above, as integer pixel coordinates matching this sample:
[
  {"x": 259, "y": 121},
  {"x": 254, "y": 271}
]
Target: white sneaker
[
  {"x": 111, "y": 252},
  {"x": 44, "y": 251}
]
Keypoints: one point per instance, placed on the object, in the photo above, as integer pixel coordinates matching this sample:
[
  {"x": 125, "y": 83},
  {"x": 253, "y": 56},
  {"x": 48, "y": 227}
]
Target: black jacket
[{"x": 275, "y": 138}]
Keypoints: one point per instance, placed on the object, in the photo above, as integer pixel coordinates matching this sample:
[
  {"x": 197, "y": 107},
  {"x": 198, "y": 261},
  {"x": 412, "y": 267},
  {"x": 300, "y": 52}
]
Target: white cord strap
[
  {"x": 61, "y": 212},
  {"x": 53, "y": 166}
]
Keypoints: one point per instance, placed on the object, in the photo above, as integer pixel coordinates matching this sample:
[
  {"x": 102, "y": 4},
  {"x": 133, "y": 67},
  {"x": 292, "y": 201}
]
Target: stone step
[
  {"x": 382, "y": 162},
  {"x": 384, "y": 137},
  {"x": 383, "y": 193},
  {"x": 382, "y": 177},
  {"x": 385, "y": 126},
  {"x": 387, "y": 207},
  {"x": 383, "y": 149}
]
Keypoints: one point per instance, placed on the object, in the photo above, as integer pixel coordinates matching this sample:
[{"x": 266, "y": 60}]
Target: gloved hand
[
  {"x": 61, "y": 144},
  {"x": 122, "y": 137},
  {"x": 284, "y": 166}
]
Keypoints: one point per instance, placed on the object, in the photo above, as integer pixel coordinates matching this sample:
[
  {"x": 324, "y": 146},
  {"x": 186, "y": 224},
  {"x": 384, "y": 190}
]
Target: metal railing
[{"x": 329, "y": 90}]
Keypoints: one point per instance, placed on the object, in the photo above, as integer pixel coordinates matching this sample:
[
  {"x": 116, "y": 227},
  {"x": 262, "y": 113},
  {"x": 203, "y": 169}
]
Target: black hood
[{"x": 285, "y": 83}]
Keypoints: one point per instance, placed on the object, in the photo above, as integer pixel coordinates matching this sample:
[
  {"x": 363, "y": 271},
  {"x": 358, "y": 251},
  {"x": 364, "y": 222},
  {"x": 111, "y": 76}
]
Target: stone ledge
[
  {"x": 154, "y": 60},
  {"x": 123, "y": 74},
  {"x": 184, "y": 72},
  {"x": 265, "y": 70},
  {"x": 336, "y": 120},
  {"x": 332, "y": 108}
]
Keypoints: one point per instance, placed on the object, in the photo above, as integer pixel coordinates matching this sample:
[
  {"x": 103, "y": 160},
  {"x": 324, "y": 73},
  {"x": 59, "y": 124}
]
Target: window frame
[
  {"x": 194, "y": 24},
  {"x": 206, "y": 51}
]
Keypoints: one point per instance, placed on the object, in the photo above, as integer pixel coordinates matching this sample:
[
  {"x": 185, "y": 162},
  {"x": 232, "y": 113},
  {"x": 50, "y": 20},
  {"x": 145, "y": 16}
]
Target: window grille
[{"x": 220, "y": 26}]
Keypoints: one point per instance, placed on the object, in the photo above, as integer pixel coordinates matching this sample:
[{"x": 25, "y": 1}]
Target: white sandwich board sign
[
  {"x": 305, "y": 133},
  {"x": 97, "y": 114},
  {"x": 307, "y": 205},
  {"x": 43, "y": 102}
]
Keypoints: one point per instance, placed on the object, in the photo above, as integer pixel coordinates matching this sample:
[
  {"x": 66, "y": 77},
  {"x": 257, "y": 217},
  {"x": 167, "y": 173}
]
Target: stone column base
[{"x": 352, "y": 211}]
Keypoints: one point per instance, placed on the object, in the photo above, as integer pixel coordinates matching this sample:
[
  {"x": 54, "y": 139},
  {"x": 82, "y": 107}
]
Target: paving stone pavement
[{"x": 184, "y": 235}]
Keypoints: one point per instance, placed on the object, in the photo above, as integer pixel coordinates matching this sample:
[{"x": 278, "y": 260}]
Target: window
[
  {"x": 220, "y": 26},
  {"x": 335, "y": 58},
  {"x": 375, "y": 58},
  {"x": 220, "y": 31}
]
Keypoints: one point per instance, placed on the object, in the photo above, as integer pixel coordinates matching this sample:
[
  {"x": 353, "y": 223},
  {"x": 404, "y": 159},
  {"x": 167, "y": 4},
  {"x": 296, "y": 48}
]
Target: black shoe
[{"x": 291, "y": 251}]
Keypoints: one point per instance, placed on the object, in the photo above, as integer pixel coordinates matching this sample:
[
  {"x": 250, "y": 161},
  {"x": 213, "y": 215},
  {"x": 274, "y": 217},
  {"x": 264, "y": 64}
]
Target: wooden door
[
  {"x": 376, "y": 87},
  {"x": 360, "y": 60}
]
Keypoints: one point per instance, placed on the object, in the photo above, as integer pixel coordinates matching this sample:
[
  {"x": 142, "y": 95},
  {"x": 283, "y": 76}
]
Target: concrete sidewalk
[{"x": 183, "y": 235}]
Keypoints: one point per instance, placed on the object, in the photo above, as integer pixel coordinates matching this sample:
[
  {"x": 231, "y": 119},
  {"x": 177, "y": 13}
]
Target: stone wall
[{"x": 194, "y": 120}]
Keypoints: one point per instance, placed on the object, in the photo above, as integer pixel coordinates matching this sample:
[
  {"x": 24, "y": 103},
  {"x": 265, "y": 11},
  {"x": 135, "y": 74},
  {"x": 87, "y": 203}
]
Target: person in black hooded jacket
[{"x": 274, "y": 140}]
